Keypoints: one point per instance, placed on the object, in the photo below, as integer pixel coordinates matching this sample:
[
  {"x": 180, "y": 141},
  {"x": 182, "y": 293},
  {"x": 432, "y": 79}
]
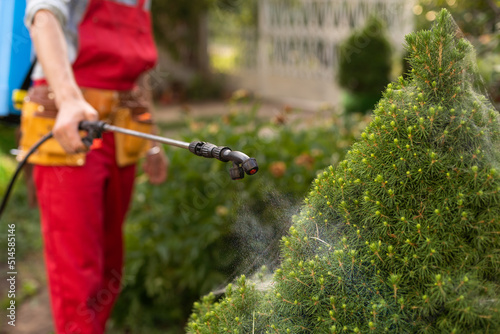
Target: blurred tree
[
  {"x": 364, "y": 66},
  {"x": 181, "y": 28},
  {"x": 473, "y": 17},
  {"x": 244, "y": 12}
]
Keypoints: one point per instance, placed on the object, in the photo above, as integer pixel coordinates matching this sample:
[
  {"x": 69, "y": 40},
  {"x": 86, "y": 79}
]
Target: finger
[
  {"x": 82, "y": 149},
  {"x": 91, "y": 115},
  {"x": 163, "y": 169},
  {"x": 156, "y": 180},
  {"x": 162, "y": 178},
  {"x": 69, "y": 139},
  {"x": 153, "y": 176},
  {"x": 61, "y": 138},
  {"x": 156, "y": 177},
  {"x": 75, "y": 141},
  {"x": 159, "y": 175}
]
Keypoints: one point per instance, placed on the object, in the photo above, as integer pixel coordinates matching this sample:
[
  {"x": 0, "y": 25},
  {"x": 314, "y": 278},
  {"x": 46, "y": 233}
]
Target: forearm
[{"x": 51, "y": 49}]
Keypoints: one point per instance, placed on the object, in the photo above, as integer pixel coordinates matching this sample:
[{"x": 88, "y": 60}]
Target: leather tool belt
[{"x": 124, "y": 109}]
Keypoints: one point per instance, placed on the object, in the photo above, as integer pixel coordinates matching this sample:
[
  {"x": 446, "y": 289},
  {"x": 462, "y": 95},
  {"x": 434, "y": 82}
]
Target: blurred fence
[{"x": 293, "y": 53}]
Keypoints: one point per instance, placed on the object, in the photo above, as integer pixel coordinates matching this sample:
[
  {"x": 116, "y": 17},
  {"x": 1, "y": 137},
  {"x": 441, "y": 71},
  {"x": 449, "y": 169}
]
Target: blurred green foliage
[
  {"x": 202, "y": 89},
  {"x": 27, "y": 226},
  {"x": 243, "y": 13},
  {"x": 365, "y": 66},
  {"x": 200, "y": 229},
  {"x": 181, "y": 28},
  {"x": 176, "y": 23},
  {"x": 474, "y": 18},
  {"x": 17, "y": 211}
]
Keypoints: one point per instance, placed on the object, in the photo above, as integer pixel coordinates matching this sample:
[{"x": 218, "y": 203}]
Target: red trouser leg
[{"x": 82, "y": 211}]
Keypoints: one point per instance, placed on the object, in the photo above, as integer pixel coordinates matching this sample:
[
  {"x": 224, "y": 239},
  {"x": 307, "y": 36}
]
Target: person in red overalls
[{"x": 90, "y": 54}]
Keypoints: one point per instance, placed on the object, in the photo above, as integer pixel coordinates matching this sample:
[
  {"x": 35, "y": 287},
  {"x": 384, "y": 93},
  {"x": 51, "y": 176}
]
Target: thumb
[{"x": 91, "y": 114}]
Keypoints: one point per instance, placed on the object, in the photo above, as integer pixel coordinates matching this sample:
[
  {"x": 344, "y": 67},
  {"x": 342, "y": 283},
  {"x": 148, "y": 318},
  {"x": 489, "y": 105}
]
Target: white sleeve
[{"x": 58, "y": 7}]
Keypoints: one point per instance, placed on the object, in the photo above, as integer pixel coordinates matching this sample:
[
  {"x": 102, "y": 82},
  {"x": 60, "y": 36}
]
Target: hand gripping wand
[{"x": 242, "y": 163}]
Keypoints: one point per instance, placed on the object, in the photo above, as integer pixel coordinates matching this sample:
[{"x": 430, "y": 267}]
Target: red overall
[{"x": 83, "y": 208}]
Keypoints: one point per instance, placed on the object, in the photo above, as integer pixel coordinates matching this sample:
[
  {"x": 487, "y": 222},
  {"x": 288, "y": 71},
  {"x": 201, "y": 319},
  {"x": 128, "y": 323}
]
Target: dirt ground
[{"x": 33, "y": 316}]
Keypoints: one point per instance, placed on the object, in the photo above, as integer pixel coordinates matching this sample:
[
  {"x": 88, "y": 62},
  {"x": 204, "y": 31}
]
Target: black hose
[{"x": 19, "y": 168}]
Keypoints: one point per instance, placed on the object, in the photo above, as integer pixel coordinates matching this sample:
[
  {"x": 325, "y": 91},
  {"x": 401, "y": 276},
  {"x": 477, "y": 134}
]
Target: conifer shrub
[
  {"x": 402, "y": 236},
  {"x": 365, "y": 66}
]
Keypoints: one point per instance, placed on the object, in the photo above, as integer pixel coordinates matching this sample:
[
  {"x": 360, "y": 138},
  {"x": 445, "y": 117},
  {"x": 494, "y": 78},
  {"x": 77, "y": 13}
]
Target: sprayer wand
[{"x": 242, "y": 163}]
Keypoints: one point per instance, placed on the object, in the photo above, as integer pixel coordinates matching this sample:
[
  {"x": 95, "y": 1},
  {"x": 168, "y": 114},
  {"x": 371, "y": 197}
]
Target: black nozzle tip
[{"x": 250, "y": 166}]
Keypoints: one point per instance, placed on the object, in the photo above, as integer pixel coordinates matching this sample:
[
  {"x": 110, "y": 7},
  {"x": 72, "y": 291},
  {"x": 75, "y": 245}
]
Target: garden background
[{"x": 200, "y": 230}]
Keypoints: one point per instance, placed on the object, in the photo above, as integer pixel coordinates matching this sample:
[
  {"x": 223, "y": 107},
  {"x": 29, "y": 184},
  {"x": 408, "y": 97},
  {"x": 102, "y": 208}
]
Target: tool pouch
[
  {"x": 37, "y": 119},
  {"x": 123, "y": 109},
  {"x": 132, "y": 113}
]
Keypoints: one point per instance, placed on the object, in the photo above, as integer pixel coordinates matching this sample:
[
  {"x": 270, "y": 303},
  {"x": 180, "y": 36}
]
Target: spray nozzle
[{"x": 242, "y": 163}]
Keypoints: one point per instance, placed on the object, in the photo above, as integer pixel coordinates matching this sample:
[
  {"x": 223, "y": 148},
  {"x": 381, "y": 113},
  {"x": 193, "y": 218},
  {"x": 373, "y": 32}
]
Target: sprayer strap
[{"x": 27, "y": 80}]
